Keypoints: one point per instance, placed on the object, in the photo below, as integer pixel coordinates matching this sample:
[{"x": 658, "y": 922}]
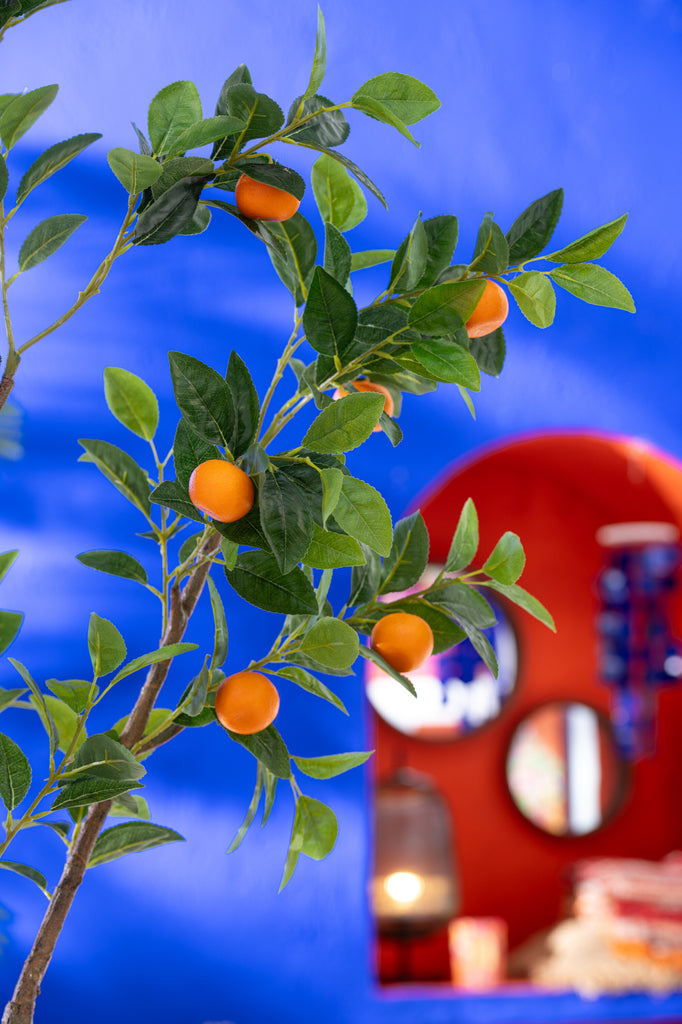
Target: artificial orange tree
[{"x": 238, "y": 516}]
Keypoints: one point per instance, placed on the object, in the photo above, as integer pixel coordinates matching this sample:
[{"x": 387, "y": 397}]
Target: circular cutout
[{"x": 563, "y": 769}]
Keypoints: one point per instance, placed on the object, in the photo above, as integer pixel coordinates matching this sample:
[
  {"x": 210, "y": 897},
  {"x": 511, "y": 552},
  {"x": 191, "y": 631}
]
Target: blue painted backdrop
[{"x": 534, "y": 96}]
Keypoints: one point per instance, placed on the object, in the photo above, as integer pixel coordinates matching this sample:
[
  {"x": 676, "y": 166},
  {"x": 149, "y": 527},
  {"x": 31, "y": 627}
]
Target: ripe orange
[
  {"x": 490, "y": 313},
  {"x": 246, "y": 702},
  {"x": 404, "y": 640},
  {"x": 259, "y": 201},
  {"x": 368, "y": 385},
  {"x": 222, "y": 490}
]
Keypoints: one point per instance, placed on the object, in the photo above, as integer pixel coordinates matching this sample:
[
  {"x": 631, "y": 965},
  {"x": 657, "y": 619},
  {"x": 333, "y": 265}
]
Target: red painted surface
[{"x": 554, "y": 491}]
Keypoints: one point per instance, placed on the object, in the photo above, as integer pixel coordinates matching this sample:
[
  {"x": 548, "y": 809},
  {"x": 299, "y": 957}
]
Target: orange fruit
[
  {"x": 404, "y": 640},
  {"x": 246, "y": 702},
  {"x": 368, "y": 385},
  {"x": 259, "y": 201},
  {"x": 490, "y": 313},
  {"x": 222, "y": 490}
]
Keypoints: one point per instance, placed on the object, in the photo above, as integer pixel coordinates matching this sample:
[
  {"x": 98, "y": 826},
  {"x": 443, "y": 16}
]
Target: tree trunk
[{"x": 6, "y": 385}]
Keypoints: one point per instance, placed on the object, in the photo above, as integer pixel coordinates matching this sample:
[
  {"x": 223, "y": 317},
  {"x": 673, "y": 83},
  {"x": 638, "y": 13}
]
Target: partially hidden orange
[
  {"x": 221, "y": 490},
  {"x": 490, "y": 313}
]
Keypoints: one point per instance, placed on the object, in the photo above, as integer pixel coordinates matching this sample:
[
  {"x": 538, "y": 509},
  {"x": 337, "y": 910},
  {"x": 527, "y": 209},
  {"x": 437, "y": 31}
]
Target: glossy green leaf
[
  {"x": 7, "y": 559},
  {"x": 365, "y": 579},
  {"x": 339, "y": 198},
  {"x": 594, "y": 284},
  {"x": 517, "y": 595},
  {"x": 326, "y": 128},
  {"x": 261, "y": 115},
  {"x": 328, "y": 766},
  {"x": 267, "y": 746},
  {"x": 535, "y": 297},
  {"x": 445, "y": 308},
  {"x": 409, "y": 262},
  {"x": 210, "y": 129},
  {"x": 9, "y": 697},
  {"x": 369, "y": 655},
  {"x": 319, "y": 58},
  {"x": 131, "y": 401},
  {"x": 107, "y": 646},
  {"x": 179, "y": 168},
  {"x": 101, "y": 757},
  {"x": 15, "y": 773},
  {"x": 464, "y": 603},
  {"x": 204, "y": 398},
  {"x": 371, "y": 258},
  {"x": 293, "y": 249},
  {"x": 331, "y": 643},
  {"x": 190, "y": 449},
  {"x": 491, "y": 255},
  {"x": 465, "y": 539},
  {"x": 152, "y": 657},
  {"x": 245, "y": 402},
  {"x": 128, "y": 805},
  {"x": 448, "y": 361},
  {"x": 46, "y": 717},
  {"x": 311, "y": 683},
  {"x": 489, "y": 352},
  {"x": 408, "y": 98},
  {"x": 23, "y": 111},
  {"x": 120, "y": 469},
  {"x": 135, "y": 171},
  {"x": 532, "y": 230},
  {"x": 196, "y": 697},
  {"x": 131, "y": 837},
  {"x": 10, "y": 624},
  {"x": 251, "y": 812},
  {"x": 408, "y": 556},
  {"x": 362, "y": 513},
  {"x": 507, "y": 559},
  {"x": 286, "y": 518},
  {"x": 229, "y": 551},
  {"x": 483, "y": 647},
  {"x": 441, "y": 237},
  {"x": 380, "y": 112},
  {"x": 63, "y": 718},
  {"x": 27, "y": 872},
  {"x": 46, "y": 238},
  {"x": 330, "y": 316},
  {"x": 220, "y": 644},
  {"x": 88, "y": 791},
  {"x": 329, "y": 550},
  {"x": 337, "y": 255},
  {"x": 258, "y": 579},
  {"x": 172, "y": 495},
  {"x": 345, "y": 424},
  {"x": 363, "y": 178},
  {"x": 332, "y": 481},
  {"x": 592, "y": 245},
  {"x": 314, "y": 833},
  {"x": 117, "y": 563},
  {"x": 174, "y": 109},
  {"x": 171, "y": 214},
  {"x": 74, "y": 692},
  {"x": 52, "y": 160}
]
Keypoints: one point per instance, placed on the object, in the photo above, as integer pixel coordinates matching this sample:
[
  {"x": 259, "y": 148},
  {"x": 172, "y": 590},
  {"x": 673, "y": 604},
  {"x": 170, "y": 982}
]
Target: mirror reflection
[{"x": 563, "y": 769}]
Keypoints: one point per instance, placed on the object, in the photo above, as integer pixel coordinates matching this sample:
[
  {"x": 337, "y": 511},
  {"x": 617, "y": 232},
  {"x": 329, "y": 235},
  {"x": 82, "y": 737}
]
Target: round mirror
[
  {"x": 563, "y": 769},
  {"x": 456, "y": 692}
]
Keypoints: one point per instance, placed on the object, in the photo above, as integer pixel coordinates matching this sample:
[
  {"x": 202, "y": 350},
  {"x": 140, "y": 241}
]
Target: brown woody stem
[
  {"x": 21, "y": 1007},
  {"x": 6, "y": 385}
]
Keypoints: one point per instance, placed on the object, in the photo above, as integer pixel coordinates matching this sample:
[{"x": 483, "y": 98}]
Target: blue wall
[{"x": 534, "y": 96}]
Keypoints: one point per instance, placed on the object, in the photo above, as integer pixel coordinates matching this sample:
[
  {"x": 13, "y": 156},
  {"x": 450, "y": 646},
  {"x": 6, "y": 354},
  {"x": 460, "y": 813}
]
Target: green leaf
[
  {"x": 101, "y": 757},
  {"x": 131, "y": 401},
  {"x": 371, "y": 258},
  {"x": 275, "y": 175},
  {"x": 380, "y": 112},
  {"x": 445, "y": 307},
  {"x": 441, "y": 237},
  {"x": 63, "y": 718},
  {"x": 189, "y": 450},
  {"x": 326, "y": 128},
  {"x": 91, "y": 791},
  {"x": 517, "y": 595},
  {"x": 314, "y": 833},
  {"x": 492, "y": 252},
  {"x": 128, "y": 805},
  {"x": 117, "y": 563},
  {"x": 339, "y": 198},
  {"x": 107, "y": 646},
  {"x": 10, "y": 624},
  {"x": 245, "y": 401},
  {"x": 362, "y": 513},
  {"x": 7, "y": 559},
  {"x": 464, "y": 603},
  {"x": 309, "y": 682},
  {"x": 120, "y": 469},
  {"x": 171, "y": 214},
  {"x": 293, "y": 249},
  {"x": 174, "y": 109},
  {"x": 46, "y": 238},
  {"x": 345, "y": 424},
  {"x": 332, "y": 550},
  {"x": 51, "y": 161},
  {"x": 594, "y": 284},
  {"x": 258, "y": 579},
  {"x": 181, "y": 167},
  {"x": 332, "y": 481},
  {"x": 365, "y": 578},
  {"x": 268, "y": 747},
  {"x": 220, "y": 643},
  {"x": 535, "y": 296},
  {"x": 23, "y": 111},
  {"x": 330, "y": 316},
  {"x": 409, "y": 262},
  {"x": 258, "y": 112},
  {"x": 329, "y": 765},
  {"x": 408, "y": 556},
  {"x": 229, "y": 551},
  {"x": 376, "y": 658},
  {"x": 363, "y": 178},
  {"x": 330, "y": 643},
  {"x": 592, "y": 245},
  {"x": 15, "y": 773},
  {"x": 8, "y": 697},
  {"x": 337, "y": 255},
  {"x": 197, "y": 691},
  {"x": 27, "y": 872},
  {"x": 201, "y": 218},
  {"x": 151, "y": 658},
  {"x": 46, "y": 717},
  {"x": 532, "y": 230},
  {"x": 270, "y": 790},
  {"x": 319, "y": 58},
  {"x": 74, "y": 692},
  {"x": 406, "y": 97},
  {"x": 448, "y": 361},
  {"x": 204, "y": 398},
  {"x": 251, "y": 813},
  {"x": 483, "y": 647},
  {"x": 489, "y": 352},
  {"x": 135, "y": 171},
  {"x": 507, "y": 559},
  {"x": 172, "y": 495},
  {"x": 286, "y": 518},
  {"x": 210, "y": 129},
  {"x": 465, "y": 540}
]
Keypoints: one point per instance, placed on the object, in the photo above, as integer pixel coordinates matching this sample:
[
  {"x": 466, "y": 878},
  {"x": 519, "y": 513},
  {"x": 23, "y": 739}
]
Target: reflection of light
[
  {"x": 673, "y": 665},
  {"x": 404, "y": 886}
]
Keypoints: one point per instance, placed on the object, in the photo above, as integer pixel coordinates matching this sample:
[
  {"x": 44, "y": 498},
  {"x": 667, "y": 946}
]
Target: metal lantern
[{"x": 414, "y": 888}]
